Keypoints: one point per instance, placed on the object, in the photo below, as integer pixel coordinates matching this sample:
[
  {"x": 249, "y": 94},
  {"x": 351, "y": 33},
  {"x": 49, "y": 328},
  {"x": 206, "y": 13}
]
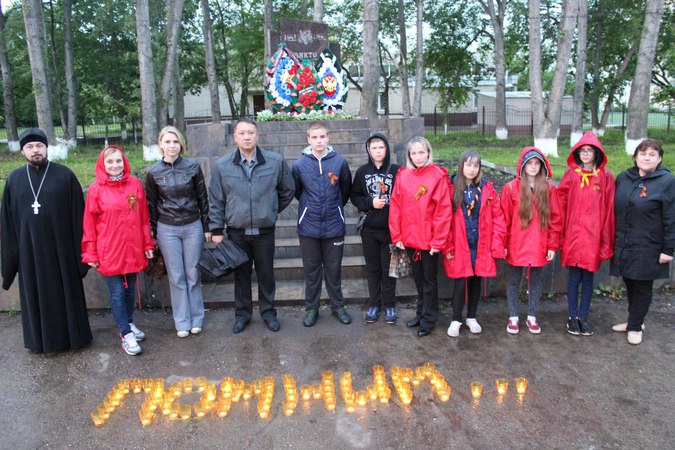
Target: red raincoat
[
  {"x": 116, "y": 223},
  {"x": 527, "y": 247},
  {"x": 587, "y": 206},
  {"x": 420, "y": 213},
  {"x": 491, "y": 232}
]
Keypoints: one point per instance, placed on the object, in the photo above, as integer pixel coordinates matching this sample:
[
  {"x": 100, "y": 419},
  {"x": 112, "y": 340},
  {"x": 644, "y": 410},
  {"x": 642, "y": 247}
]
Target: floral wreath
[
  {"x": 279, "y": 81},
  {"x": 309, "y": 90},
  {"x": 333, "y": 79}
]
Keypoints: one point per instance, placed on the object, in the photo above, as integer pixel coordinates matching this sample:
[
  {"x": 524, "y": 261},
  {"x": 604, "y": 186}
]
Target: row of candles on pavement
[{"x": 161, "y": 398}]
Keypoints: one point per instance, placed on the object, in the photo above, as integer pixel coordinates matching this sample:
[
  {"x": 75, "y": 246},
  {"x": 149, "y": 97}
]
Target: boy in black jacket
[{"x": 371, "y": 190}]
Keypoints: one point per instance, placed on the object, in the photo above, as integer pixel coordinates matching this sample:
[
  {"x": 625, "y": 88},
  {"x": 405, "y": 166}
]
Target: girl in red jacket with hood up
[
  {"x": 420, "y": 217},
  {"x": 116, "y": 239},
  {"x": 478, "y": 236},
  {"x": 532, "y": 215},
  {"x": 586, "y": 194}
]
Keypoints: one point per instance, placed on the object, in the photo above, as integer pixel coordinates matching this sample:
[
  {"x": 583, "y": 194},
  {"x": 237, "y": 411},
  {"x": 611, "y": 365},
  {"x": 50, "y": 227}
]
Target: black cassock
[{"x": 45, "y": 249}]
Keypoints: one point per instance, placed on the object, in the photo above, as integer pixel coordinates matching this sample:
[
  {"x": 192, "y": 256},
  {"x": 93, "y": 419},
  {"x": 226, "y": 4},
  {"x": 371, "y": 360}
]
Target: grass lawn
[
  {"x": 506, "y": 153},
  {"x": 82, "y": 159}
]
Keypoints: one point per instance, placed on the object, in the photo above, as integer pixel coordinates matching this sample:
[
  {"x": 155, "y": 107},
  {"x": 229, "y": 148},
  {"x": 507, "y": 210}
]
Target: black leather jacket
[{"x": 176, "y": 193}]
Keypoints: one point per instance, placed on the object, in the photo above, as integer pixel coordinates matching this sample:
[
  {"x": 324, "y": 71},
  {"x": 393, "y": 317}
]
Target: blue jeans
[
  {"x": 181, "y": 246},
  {"x": 585, "y": 278},
  {"x": 122, "y": 300},
  {"x": 514, "y": 274}
]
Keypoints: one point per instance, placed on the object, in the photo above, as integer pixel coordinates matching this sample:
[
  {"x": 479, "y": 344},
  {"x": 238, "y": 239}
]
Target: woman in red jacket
[
  {"x": 532, "y": 215},
  {"x": 586, "y": 195},
  {"x": 420, "y": 217},
  {"x": 478, "y": 236},
  {"x": 116, "y": 239}
]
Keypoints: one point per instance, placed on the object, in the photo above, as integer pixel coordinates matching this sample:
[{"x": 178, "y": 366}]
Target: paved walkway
[{"x": 583, "y": 392}]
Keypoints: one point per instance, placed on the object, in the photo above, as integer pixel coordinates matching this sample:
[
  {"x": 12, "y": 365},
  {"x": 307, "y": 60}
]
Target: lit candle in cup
[
  {"x": 502, "y": 385},
  {"x": 476, "y": 389},
  {"x": 521, "y": 385}
]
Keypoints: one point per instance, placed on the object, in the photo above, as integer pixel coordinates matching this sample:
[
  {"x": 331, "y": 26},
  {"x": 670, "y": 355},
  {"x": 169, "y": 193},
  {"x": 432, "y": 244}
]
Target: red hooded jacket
[
  {"x": 420, "y": 213},
  {"x": 527, "y": 247},
  {"x": 491, "y": 232},
  {"x": 116, "y": 222},
  {"x": 587, "y": 206}
]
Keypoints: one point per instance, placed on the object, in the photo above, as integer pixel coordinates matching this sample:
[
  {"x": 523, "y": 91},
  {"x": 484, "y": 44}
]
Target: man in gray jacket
[{"x": 248, "y": 190}]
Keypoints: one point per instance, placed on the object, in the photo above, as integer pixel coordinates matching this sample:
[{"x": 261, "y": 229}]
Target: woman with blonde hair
[
  {"x": 179, "y": 210},
  {"x": 420, "y": 218}
]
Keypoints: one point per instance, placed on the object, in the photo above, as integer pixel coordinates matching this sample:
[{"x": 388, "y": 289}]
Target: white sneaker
[
  {"x": 473, "y": 325},
  {"x": 634, "y": 337},
  {"x": 130, "y": 345},
  {"x": 453, "y": 329},
  {"x": 138, "y": 333},
  {"x": 183, "y": 334},
  {"x": 196, "y": 330},
  {"x": 513, "y": 326},
  {"x": 621, "y": 327}
]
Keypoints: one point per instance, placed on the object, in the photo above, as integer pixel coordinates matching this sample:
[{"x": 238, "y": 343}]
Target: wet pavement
[{"x": 584, "y": 392}]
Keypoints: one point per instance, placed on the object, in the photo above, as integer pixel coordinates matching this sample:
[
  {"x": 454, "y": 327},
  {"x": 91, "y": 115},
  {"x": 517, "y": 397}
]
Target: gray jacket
[{"x": 249, "y": 204}]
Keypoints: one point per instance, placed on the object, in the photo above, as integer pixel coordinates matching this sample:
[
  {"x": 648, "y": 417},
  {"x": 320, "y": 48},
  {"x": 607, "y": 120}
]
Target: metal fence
[{"x": 520, "y": 121}]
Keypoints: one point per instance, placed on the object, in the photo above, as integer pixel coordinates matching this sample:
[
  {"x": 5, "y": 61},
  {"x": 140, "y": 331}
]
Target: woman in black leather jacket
[{"x": 179, "y": 209}]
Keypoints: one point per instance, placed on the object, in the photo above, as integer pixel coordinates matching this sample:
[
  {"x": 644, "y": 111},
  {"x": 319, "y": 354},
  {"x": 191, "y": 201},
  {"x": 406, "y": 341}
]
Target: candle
[
  {"x": 306, "y": 392},
  {"x": 185, "y": 412},
  {"x": 476, "y": 389},
  {"x": 97, "y": 418},
  {"x": 521, "y": 385},
  {"x": 502, "y": 385}
]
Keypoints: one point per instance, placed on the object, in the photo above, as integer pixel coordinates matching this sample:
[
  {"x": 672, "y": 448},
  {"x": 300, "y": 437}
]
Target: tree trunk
[
  {"x": 145, "y": 66},
  {"x": 371, "y": 72},
  {"x": 179, "y": 104},
  {"x": 597, "y": 57},
  {"x": 547, "y": 120},
  {"x": 70, "y": 132},
  {"x": 57, "y": 96},
  {"x": 638, "y": 102},
  {"x": 229, "y": 88},
  {"x": 419, "y": 60},
  {"x": 210, "y": 62},
  {"x": 403, "y": 60},
  {"x": 268, "y": 28},
  {"x": 602, "y": 122},
  {"x": 174, "y": 14},
  {"x": 37, "y": 53},
  {"x": 318, "y": 11},
  {"x": 497, "y": 21},
  {"x": 580, "y": 75},
  {"x": 8, "y": 91}
]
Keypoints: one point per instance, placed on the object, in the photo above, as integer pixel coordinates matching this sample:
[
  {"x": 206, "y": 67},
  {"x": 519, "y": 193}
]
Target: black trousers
[
  {"x": 639, "y": 293},
  {"x": 464, "y": 286},
  {"x": 322, "y": 257},
  {"x": 376, "y": 250},
  {"x": 260, "y": 250},
  {"x": 424, "y": 268}
]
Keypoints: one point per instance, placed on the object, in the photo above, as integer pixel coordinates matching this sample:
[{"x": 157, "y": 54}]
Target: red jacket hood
[
  {"x": 525, "y": 151},
  {"x": 589, "y": 138},
  {"x": 101, "y": 175}
]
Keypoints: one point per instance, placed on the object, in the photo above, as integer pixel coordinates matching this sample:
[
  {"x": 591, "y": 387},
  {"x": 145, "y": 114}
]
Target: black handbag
[{"x": 220, "y": 261}]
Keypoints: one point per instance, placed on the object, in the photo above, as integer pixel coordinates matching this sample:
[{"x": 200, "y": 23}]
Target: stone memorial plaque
[{"x": 305, "y": 39}]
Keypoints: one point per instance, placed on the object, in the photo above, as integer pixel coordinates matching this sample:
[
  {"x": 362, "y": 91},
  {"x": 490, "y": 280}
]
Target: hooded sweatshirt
[
  {"x": 527, "y": 247},
  {"x": 116, "y": 222},
  {"x": 587, "y": 208},
  {"x": 371, "y": 182}
]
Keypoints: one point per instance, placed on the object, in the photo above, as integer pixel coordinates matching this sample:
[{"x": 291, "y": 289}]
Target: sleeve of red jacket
[
  {"x": 608, "y": 227},
  {"x": 507, "y": 209},
  {"x": 498, "y": 228},
  {"x": 442, "y": 219},
  {"x": 149, "y": 244},
  {"x": 555, "y": 225},
  {"x": 395, "y": 214},
  {"x": 563, "y": 196},
  {"x": 89, "y": 221}
]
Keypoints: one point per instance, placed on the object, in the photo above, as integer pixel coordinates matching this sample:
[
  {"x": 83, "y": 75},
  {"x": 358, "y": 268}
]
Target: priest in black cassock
[{"x": 41, "y": 236}]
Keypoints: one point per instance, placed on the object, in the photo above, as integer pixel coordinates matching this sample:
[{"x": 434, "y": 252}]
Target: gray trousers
[{"x": 514, "y": 274}]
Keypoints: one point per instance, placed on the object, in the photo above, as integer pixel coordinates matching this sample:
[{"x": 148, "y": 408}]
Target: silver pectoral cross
[{"x": 36, "y": 207}]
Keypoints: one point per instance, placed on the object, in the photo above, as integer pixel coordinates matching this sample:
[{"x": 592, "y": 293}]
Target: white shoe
[
  {"x": 513, "y": 326},
  {"x": 621, "y": 327},
  {"x": 183, "y": 334},
  {"x": 130, "y": 345},
  {"x": 138, "y": 333},
  {"x": 453, "y": 329},
  {"x": 196, "y": 330},
  {"x": 473, "y": 325},
  {"x": 634, "y": 337}
]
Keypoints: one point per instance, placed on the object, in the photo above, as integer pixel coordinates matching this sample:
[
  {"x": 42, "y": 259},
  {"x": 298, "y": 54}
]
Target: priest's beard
[{"x": 37, "y": 161}]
